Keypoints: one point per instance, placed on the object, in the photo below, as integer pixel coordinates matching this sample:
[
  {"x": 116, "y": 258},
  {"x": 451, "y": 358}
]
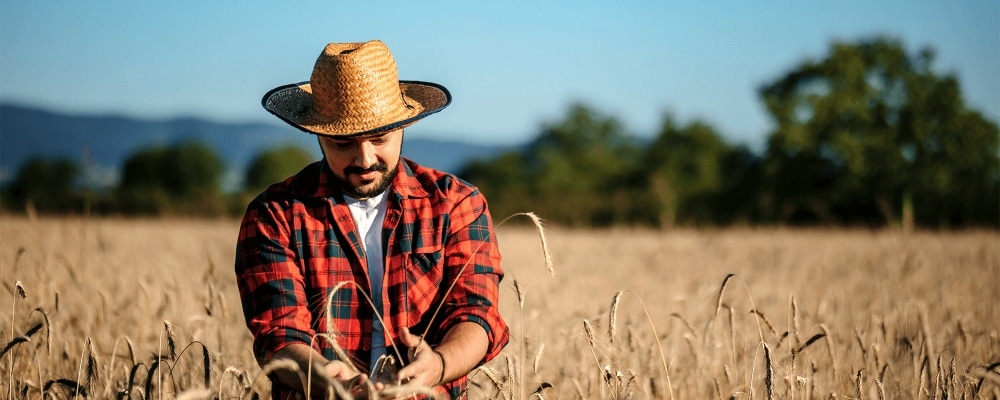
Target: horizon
[{"x": 511, "y": 69}]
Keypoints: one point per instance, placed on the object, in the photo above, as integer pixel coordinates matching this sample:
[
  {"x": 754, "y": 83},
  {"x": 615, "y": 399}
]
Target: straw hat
[{"x": 355, "y": 90}]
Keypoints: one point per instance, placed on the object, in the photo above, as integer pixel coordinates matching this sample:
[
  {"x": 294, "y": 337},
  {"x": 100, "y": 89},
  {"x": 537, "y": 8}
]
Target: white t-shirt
[{"x": 369, "y": 216}]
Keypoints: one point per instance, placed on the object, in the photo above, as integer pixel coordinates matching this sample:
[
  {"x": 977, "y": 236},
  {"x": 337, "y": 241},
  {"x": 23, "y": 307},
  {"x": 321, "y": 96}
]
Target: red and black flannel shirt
[{"x": 298, "y": 241}]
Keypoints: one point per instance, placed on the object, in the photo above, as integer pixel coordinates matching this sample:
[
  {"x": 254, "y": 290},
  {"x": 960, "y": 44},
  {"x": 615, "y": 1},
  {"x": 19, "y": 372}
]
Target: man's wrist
[{"x": 440, "y": 358}]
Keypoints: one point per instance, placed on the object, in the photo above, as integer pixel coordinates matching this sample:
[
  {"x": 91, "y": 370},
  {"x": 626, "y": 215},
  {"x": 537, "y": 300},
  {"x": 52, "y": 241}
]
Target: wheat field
[{"x": 121, "y": 308}]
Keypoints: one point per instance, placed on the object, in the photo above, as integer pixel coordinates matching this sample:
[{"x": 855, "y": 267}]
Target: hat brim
[{"x": 293, "y": 104}]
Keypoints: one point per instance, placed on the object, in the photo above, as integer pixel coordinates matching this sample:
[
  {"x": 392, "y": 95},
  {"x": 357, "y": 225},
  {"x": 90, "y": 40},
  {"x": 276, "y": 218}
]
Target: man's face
[{"x": 364, "y": 165}]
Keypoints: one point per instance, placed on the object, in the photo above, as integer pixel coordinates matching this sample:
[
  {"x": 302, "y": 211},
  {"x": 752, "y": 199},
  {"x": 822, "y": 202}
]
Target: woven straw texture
[{"x": 355, "y": 89}]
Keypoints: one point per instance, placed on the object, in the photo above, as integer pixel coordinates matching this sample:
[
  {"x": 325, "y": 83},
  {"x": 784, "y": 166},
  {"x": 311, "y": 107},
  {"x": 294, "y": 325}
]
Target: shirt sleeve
[
  {"x": 270, "y": 282},
  {"x": 472, "y": 260}
]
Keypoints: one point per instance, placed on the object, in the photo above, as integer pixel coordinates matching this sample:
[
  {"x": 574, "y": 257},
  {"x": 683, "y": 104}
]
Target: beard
[{"x": 358, "y": 192}]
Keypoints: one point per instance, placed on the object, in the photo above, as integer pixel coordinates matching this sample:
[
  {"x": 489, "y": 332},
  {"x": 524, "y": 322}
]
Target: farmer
[{"x": 366, "y": 223}]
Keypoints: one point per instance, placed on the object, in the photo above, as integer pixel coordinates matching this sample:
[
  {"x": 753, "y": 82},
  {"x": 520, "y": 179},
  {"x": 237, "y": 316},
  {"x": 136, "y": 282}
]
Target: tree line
[
  {"x": 184, "y": 179},
  {"x": 869, "y": 135}
]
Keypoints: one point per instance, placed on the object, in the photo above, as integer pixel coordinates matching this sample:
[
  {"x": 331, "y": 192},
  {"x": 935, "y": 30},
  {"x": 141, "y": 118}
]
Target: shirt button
[{"x": 366, "y": 347}]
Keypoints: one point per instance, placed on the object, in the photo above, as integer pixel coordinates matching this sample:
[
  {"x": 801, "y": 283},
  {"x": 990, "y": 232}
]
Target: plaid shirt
[{"x": 298, "y": 241}]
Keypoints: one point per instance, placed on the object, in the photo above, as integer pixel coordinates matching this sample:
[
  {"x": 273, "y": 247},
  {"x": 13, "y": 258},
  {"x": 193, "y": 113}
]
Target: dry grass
[{"x": 149, "y": 309}]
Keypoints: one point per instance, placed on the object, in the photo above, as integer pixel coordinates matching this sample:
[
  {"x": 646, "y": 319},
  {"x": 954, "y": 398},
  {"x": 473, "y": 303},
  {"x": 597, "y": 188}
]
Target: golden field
[{"x": 109, "y": 308}]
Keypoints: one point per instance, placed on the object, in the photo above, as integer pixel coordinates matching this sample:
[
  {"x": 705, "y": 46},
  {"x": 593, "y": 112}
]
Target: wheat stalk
[
  {"x": 881, "y": 389},
  {"x": 206, "y": 361},
  {"x": 613, "y": 316},
  {"x": 548, "y": 265},
  {"x": 171, "y": 341},
  {"x": 925, "y": 330},
  {"x": 537, "y": 358},
  {"x": 769, "y": 373},
  {"x": 579, "y": 388},
  {"x": 510, "y": 377},
  {"x": 795, "y": 320},
  {"x": 11, "y": 344},
  {"x": 732, "y": 333},
  {"x": 686, "y": 324},
  {"x": 659, "y": 346},
  {"x": 237, "y": 375},
  {"x": 540, "y": 228},
  {"x": 91, "y": 364},
  {"x": 545, "y": 251},
  {"x": 795, "y": 342},
  {"x": 79, "y": 370},
  {"x": 520, "y": 371},
  {"x": 332, "y": 334},
  {"x": 539, "y": 391},
  {"x": 986, "y": 372},
  {"x": 766, "y": 321},
  {"x": 718, "y": 303},
  {"x": 490, "y": 374},
  {"x": 830, "y": 351},
  {"x": 19, "y": 295},
  {"x": 722, "y": 291},
  {"x": 858, "y": 384},
  {"x": 592, "y": 338}
]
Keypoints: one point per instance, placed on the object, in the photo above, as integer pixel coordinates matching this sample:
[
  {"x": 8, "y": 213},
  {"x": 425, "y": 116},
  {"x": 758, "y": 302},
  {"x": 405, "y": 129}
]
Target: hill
[{"x": 103, "y": 142}]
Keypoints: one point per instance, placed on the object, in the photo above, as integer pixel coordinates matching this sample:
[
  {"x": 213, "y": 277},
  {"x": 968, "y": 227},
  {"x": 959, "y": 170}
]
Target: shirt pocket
[{"x": 422, "y": 284}]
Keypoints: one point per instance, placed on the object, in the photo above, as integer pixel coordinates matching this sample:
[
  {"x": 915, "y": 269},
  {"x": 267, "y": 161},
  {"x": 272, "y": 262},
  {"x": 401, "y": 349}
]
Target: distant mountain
[{"x": 105, "y": 141}]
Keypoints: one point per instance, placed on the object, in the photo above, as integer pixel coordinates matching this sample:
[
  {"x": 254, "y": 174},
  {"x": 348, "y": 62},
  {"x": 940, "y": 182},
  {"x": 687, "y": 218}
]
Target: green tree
[
  {"x": 48, "y": 185},
  {"x": 181, "y": 179},
  {"x": 871, "y": 134},
  {"x": 575, "y": 165},
  {"x": 273, "y": 166},
  {"x": 571, "y": 173},
  {"x": 505, "y": 183},
  {"x": 684, "y": 170}
]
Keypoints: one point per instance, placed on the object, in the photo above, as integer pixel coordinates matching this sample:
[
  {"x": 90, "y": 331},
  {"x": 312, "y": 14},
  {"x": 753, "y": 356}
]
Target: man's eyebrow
[
  {"x": 364, "y": 137},
  {"x": 375, "y": 135},
  {"x": 351, "y": 139}
]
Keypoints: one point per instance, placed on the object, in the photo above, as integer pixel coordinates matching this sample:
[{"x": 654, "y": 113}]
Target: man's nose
[{"x": 365, "y": 157}]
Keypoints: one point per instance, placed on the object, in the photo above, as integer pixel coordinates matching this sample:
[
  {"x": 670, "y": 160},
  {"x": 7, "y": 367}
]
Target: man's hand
[
  {"x": 350, "y": 378},
  {"x": 461, "y": 350},
  {"x": 426, "y": 366},
  {"x": 338, "y": 370}
]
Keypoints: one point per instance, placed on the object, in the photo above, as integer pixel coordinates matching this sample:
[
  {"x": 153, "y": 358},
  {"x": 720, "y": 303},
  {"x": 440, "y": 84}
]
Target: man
[{"x": 366, "y": 223}]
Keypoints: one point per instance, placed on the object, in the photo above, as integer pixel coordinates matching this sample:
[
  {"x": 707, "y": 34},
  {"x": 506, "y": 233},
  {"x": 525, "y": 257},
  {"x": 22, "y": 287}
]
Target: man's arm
[
  {"x": 463, "y": 348},
  {"x": 472, "y": 263},
  {"x": 474, "y": 330},
  {"x": 274, "y": 300}
]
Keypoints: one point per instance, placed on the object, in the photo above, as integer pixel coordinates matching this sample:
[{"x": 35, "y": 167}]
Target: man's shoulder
[
  {"x": 300, "y": 186},
  {"x": 426, "y": 181}
]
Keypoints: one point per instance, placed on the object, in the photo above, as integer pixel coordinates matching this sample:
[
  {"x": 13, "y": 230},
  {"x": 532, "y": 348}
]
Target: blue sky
[{"x": 510, "y": 66}]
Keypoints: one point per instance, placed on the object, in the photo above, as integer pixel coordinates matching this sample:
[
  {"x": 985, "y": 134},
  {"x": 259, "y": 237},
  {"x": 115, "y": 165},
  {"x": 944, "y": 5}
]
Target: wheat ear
[
  {"x": 766, "y": 322},
  {"x": 659, "y": 346},
  {"x": 769, "y": 373},
  {"x": 718, "y": 304},
  {"x": 538, "y": 357},
  {"x": 613, "y": 316},
  {"x": 858, "y": 384}
]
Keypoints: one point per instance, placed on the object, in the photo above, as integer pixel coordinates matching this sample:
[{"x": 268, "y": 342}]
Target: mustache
[{"x": 377, "y": 167}]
